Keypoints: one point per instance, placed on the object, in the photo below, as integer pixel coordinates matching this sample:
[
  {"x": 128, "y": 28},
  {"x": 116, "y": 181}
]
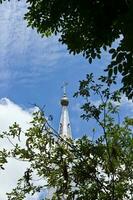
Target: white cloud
[
  {"x": 10, "y": 113},
  {"x": 126, "y": 103}
]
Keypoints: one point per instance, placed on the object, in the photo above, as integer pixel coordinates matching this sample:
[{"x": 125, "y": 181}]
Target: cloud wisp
[{"x": 23, "y": 53}]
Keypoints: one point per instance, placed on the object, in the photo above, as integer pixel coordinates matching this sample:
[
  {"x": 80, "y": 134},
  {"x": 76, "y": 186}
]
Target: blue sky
[{"x": 33, "y": 70}]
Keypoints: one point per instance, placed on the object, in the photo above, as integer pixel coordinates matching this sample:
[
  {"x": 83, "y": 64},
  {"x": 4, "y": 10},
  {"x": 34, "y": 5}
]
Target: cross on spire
[{"x": 64, "y": 87}]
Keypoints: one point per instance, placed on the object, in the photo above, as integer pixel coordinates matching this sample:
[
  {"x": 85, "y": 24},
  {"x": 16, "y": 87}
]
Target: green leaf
[
  {"x": 112, "y": 50},
  {"x": 110, "y": 72},
  {"x": 98, "y": 56},
  {"x": 120, "y": 68},
  {"x": 90, "y": 60},
  {"x": 114, "y": 55},
  {"x": 115, "y": 70}
]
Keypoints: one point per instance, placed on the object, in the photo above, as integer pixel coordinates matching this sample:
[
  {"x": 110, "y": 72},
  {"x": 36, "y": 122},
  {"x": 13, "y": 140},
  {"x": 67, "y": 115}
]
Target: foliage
[
  {"x": 89, "y": 27},
  {"x": 84, "y": 168},
  {"x": 3, "y": 155},
  {"x": 3, "y": 158}
]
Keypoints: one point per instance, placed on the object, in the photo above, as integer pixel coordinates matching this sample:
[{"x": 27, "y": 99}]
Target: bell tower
[{"x": 65, "y": 126}]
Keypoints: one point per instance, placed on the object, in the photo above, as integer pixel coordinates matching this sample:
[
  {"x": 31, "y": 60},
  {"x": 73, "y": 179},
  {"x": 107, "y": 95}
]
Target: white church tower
[{"x": 64, "y": 126}]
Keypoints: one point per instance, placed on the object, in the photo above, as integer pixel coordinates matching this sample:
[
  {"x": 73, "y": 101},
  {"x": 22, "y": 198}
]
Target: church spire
[{"x": 65, "y": 127}]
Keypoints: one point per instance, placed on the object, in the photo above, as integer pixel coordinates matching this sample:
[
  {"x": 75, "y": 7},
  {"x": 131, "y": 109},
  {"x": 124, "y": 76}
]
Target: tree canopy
[
  {"x": 87, "y": 27},
  {"x": 86, "y": 168}
]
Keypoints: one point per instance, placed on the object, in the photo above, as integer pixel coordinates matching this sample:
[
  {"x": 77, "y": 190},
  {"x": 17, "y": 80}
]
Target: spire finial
[
  {"x": 64, "y": 87},
  {"x": 64, "y": 99}
]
